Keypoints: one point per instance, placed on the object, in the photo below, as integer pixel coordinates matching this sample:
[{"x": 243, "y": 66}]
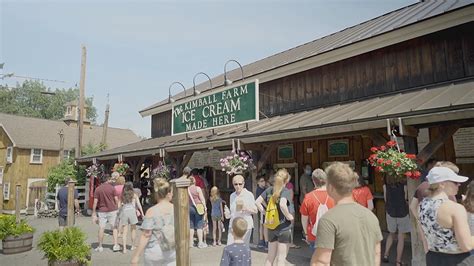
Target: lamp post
[
  {"x": 196, "y": 92},
  {"x": 227, "y": 82},
  {"x": 170, "y": 100}
]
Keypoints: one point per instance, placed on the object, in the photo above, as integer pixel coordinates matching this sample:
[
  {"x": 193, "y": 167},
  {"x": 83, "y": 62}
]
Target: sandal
[
  {"x": 385, "y": 259},
  {"x": 401, "y": 263}
]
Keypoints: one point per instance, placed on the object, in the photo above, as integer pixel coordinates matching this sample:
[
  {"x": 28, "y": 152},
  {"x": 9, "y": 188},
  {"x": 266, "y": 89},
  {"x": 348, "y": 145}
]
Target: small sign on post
[
  {"x": 181, "y": 219},
  {"x": 70, "y": 203}
]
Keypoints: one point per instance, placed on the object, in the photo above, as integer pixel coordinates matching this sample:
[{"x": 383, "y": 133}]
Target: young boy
[{"x": 237, "y": 253}]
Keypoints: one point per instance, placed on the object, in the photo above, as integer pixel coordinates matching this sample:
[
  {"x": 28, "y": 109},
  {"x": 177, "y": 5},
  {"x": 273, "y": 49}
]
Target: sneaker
[
  {"x": 99, "y": 249},
  {"x": 133, "y": 248},
  {"x": 116, "y": 248},
  {"x": 385, "y": 259},
  {"x": 261, "y": 244},
  {"x": 202, "y": 245}
]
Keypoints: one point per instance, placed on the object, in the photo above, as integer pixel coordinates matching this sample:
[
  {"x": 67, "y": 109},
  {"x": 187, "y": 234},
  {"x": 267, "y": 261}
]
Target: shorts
[
  {"x": 128, "y": 216},
  {"x": 107, "y": 218},
  {"x": 262, "y": 218},
  {"x": 402, "y": 225},
  {"x": 216, "y": 218},
  {"x": 442, "y": 259},
  {"x": 155, "y": 256},
  {"x": 62, "y": 220},
  {"x": 280, "y": 235},
  {"x": 196, "y": 221}
]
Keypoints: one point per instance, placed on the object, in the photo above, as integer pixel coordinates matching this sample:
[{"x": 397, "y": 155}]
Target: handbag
[
  {"x": 199, "y": 207},
  {"x": 226, "y": 212}
]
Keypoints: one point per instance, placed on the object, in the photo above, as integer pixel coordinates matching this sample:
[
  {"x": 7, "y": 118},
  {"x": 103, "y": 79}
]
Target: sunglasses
[{"x": 238, "y": 184}]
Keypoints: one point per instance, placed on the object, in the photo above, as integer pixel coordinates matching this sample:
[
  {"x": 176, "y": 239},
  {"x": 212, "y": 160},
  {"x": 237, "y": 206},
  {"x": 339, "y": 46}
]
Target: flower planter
[
  {"x": 65, "y": 263},
  {"x": 17, "y": 244}
]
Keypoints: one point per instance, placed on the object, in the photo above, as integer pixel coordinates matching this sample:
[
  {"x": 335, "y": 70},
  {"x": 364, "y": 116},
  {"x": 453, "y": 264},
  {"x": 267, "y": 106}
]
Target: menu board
[
  {"x": 201, "y": 159},
  {"x": 464, "y": 145}
]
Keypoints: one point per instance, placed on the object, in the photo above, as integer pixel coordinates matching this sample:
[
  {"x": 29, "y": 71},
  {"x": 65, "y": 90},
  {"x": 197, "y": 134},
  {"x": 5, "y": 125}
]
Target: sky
[{"x": 136, "y": 49}]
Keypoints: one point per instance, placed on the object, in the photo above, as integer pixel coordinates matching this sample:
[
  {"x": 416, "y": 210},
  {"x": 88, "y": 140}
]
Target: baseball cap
[{"x": 440, "y": 174}]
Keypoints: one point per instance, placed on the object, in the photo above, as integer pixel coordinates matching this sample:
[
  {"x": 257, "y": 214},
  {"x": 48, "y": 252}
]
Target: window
[
  {"x": 36, "y": 156},
  {"x": 9, "y": 154},
  {"x": 1, "y": 175},
  {"x": 66, "y": 154},
  {"x": 68, "y": 110},
  {"x": 6, "y": 191}
]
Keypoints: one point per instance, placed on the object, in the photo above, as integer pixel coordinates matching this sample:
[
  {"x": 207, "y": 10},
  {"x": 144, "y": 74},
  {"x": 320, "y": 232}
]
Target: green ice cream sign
[{"x": 230, "y": 106}]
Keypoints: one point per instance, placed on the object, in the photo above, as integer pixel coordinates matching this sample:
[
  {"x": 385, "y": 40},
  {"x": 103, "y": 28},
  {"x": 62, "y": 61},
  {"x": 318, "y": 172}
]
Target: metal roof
[
  {"x": 385, "y": 23},
  {"x": 451, "y": 101},
  {"x": 29, "y": 132}
]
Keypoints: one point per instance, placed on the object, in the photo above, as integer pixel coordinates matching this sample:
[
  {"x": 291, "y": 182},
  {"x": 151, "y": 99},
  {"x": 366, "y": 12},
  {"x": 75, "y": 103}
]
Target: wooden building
[
  {"x": 412, "y": 68},
  {"x": 30, "y": 146}
]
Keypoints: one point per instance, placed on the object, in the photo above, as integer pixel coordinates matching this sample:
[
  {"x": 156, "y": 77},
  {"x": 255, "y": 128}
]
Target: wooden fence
[{"x": 51, "y": 196}]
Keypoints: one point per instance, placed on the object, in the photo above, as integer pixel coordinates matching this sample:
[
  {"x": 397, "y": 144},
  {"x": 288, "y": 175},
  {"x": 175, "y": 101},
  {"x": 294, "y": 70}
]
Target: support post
[
  {"x": 81, "y": 115},
  {"x": 181, "y": 219},
  {"x": 256, "y": 225},
  {"x": 70, "y": 203},
  {"x": 17, "y": 203},
  {"x": 417, "y": 251}
]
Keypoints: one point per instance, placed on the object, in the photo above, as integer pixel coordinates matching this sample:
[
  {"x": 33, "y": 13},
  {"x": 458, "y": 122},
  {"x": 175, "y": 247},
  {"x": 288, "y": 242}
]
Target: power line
[{"x": 51, "y": 80}]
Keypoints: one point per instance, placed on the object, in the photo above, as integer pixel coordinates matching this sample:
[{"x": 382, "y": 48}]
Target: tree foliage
[
  {"x": 28, "y": 99},
  {"x": 57, "y": 174}
]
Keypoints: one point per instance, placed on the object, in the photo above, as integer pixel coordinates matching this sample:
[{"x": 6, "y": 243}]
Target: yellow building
[{"x": 30, "y": 146}]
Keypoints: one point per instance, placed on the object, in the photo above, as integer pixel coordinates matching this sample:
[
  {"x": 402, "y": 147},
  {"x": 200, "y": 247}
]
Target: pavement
[{"x": 205, "y": 256}]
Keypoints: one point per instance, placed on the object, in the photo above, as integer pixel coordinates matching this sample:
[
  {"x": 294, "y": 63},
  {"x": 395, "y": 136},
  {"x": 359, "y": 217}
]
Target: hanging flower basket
[
  {"x": 161, "y": 171},
  {"x": 95, "y": 170},
  {"x": 236, "y": 163},
  {"x": 121, "y": 168},
  {"x": 395, "y": 164}
]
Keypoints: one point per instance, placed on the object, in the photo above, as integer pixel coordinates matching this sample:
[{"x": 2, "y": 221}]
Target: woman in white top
[
  {"x": 242, "y": 204},
  {"x": 468, "y": 203},
  {"x": 443, "y": 221}
]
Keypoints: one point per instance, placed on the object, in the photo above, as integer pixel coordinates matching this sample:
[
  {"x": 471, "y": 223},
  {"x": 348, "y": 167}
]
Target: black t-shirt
[
  {"x": 396, "y": 205},
  {"x": 285, "y": 193}
]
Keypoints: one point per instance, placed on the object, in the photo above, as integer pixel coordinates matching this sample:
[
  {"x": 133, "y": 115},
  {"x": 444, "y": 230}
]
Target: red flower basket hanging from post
[{"x": 395, "y": 164}]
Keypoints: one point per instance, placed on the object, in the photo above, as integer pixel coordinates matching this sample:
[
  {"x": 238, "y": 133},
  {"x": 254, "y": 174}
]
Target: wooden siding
[
  {"x": 20, "y": 170},
  {"x": 438, "y": 57},
  {"x": 161, "y": 124}
]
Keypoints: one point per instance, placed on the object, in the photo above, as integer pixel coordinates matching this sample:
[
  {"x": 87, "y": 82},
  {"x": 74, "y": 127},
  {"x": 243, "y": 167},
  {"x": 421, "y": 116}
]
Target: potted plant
[
  {"x": 16, "y": 237},
  {"x": 121, "y": 168},
  {"x": 236, "y": 163},
  {"x": 161, "y": 171},
  {"x": 394, "y": 163},
  {"x": 65, "y": 248}
]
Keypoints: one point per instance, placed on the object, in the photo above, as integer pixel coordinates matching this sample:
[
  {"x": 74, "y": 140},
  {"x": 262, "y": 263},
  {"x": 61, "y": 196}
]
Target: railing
[{"x": 51, "y": 197}]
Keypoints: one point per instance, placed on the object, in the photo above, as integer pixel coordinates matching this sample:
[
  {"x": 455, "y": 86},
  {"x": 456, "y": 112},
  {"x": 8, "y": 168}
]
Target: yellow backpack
[{"x": 272, "y": 218}]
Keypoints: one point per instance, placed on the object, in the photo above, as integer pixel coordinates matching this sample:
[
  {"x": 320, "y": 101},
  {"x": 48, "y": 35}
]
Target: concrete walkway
[{"x": 205, "y": 257}]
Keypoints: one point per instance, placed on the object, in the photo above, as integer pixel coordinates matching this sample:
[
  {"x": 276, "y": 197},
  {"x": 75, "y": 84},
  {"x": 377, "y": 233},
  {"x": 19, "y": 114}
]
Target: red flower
[
  {"x": 408, "y": 174},
  {"x": 416, "y": 174},
  {"x": 380, "y": 161},
  {"x": 383, "y": 148},
  {"x": 378, "y": 169},
  {"x": 411, "y": 156},
  {"x": 373, "y": 156},
  {"x": 374, "y": 149},
  {"x": 391, "y": 143},
  {"x": 387, "y": 162},
  {"x": 398, "y": 164}
]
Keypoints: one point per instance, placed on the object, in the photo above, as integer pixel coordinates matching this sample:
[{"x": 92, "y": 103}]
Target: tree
[
  {"x": 57, "y": 174},
  {"x": 28, "y": 99}
]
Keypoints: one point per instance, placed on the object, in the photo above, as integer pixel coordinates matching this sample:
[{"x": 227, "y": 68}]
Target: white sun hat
[{"x": 440, "y": 174}]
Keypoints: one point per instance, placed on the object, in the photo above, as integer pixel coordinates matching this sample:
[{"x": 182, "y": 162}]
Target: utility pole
[
  {"x": 61, "y": 145},
  {"x": 106, "y": 123},
  {"x": 81, "y": 101}
]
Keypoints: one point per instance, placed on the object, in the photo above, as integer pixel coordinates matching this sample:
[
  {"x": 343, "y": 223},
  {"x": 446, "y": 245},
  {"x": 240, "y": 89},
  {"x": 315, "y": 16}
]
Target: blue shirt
[
  {"x": 62, "y": 197},
  {"x": 216, "y": 208},
  {"x": 236, "y": 254}
]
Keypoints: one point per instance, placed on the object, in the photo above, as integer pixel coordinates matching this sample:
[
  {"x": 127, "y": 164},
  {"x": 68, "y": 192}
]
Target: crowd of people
[{"x": 336, "y": 216}]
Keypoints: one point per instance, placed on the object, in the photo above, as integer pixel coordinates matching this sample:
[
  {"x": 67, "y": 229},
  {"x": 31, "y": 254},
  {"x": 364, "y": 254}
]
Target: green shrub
[
  {"x": 67, "y": 245},
  {"x": 9, "y": 227}
]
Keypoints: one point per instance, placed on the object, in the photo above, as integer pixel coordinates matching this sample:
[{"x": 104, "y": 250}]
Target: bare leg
[
  {"x": 191, "y": 237},
  {"x": 272, "y": 253},
  {"x": 400, "y": 244},
  {"x": 101, "y": 236},
  {"x": 199, "y": 233},
  {"x": 265, "y": 233},
  {"x": 214, "y": 231},
  {"x": 282, "y": 252},
  {"x": 115, "y": 233},
  {"x": 124, "y": 238},
  {"x": 388, "y": 244},
  {"x": 219, "y": 231},
  {"x": 133, "y": 232}
]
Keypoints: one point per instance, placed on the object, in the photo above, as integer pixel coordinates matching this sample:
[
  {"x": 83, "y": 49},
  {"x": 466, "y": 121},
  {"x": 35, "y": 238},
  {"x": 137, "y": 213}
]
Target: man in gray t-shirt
[{"x": 347, "y": 234}]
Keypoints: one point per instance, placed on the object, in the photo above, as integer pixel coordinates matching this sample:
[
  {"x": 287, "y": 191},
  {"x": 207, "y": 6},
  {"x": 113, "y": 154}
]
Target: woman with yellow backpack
[{"x": 277, "y": 218}]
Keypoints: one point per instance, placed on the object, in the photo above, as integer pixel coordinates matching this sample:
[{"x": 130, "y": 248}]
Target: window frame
[
  {"x": 66, "y": 156},
  {"x": 32, "y": 155},
  {"x": 9, "y": 155}
]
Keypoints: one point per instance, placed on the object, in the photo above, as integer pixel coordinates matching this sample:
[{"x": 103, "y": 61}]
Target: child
[
  {"x": 261, "y": 187},
  {"x": 217, "y": 214},
  {"x": 237, "y": 253}
]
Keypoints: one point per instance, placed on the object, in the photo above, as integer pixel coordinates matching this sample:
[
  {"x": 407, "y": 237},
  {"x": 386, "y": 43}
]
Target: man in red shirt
[
  {"x": 105, "y": 202},
  {"x": 312, "y": 201}
]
